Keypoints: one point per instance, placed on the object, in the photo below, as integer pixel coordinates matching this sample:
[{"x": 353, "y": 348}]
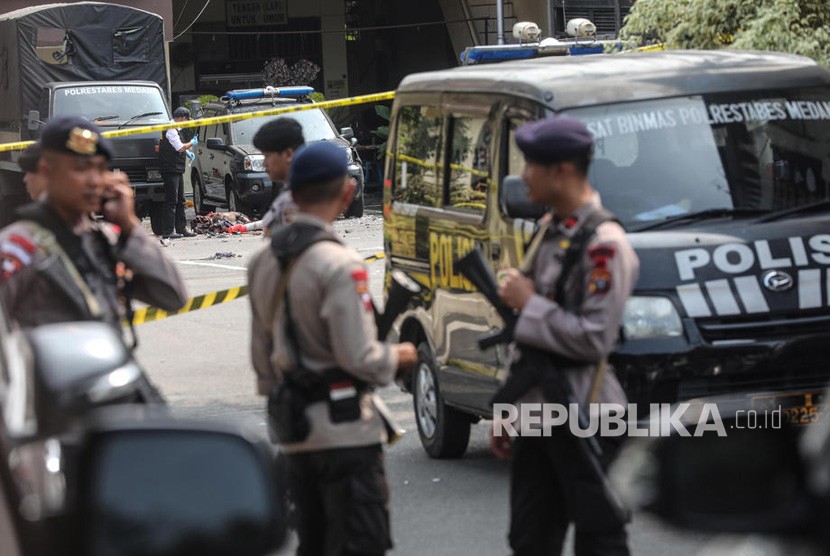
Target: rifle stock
[
  {"x": 401, "y": 292},
  {"x": 528, "y": 372}
]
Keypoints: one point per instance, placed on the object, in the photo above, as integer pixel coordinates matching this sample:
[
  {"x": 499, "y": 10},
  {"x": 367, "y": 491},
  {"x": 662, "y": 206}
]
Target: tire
[
  {"x": 444, "y": 431},
  {"x": 355, "y": 210},
  {"x": 234, "y": 203},
  {"x": 157, "y": 217},
  {"x": 198, "y": 196}
]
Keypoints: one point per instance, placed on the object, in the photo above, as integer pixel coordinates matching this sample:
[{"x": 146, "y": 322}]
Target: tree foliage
[{"x": 795, "y": 26}]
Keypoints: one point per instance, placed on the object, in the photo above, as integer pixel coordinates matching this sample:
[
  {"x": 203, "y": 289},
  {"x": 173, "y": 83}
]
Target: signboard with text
[{"x": 251, "y": 13}]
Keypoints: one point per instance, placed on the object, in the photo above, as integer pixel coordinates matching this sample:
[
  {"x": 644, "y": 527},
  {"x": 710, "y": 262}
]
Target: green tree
[{"x": 796, "y": 26}]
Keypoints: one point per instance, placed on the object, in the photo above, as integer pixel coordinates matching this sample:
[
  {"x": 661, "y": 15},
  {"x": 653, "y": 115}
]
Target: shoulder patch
[
  {"x": 361, "y": 286},
  {"x": 601, "y": 254},
  {"x": 600, "y": 281},
  {"x": 15, "y": 253}
]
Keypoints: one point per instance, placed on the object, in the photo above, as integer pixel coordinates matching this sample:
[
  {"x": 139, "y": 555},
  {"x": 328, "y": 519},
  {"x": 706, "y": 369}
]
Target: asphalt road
[{"x": 200, "y": 361}]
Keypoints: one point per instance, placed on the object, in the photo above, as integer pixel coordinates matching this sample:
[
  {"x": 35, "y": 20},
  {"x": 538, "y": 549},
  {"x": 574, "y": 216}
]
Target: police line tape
[
  {"x": 362, "y": 99},
  {"x": 149, "y": 314}
]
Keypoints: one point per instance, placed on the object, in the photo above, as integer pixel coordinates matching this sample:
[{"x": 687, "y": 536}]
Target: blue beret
[
  {"x": 75, "y": 135},
  {"x": 317, "y": 162},
  {"x": 554, "y": 139}
]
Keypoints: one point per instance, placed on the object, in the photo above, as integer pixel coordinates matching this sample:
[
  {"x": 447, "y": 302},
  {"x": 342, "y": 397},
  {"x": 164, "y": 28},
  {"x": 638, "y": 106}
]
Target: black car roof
[{"x": 571, "y": 81}]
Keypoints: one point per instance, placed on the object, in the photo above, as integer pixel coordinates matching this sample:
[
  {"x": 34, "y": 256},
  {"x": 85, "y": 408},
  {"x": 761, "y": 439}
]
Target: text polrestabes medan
[
  {"x": 636, "y": 121},
  {"x": 109, "y": 90}
]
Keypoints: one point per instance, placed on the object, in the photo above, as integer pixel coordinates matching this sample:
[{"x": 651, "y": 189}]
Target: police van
[{"x": 716, "y": 162}]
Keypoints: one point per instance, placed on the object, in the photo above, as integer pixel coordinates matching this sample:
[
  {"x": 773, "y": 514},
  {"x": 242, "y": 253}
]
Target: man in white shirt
[{"x": 172, "y": 152}]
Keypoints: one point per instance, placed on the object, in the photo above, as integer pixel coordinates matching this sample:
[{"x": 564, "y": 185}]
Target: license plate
[{"x": 797, "y": 408}]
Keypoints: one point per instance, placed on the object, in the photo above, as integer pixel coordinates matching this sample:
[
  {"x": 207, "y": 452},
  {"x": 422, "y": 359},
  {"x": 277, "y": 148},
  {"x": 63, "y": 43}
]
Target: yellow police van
[{"x": 718, "y": 165}]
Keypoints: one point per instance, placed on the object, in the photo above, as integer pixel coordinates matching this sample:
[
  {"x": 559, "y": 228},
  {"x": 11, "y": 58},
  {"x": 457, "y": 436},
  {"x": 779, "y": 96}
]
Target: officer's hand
[
  {"x": 515, "y": 289},
  {"x": 194, "y": 141},
  {"x": 118, "y": 205},
  {"x": 190, "y": 155},
  {"x": 407, "y": 359},
  {"x": 501, "y": 446}
]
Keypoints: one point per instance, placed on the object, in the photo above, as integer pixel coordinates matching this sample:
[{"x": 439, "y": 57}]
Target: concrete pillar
[{"x": 335, "y": 61}]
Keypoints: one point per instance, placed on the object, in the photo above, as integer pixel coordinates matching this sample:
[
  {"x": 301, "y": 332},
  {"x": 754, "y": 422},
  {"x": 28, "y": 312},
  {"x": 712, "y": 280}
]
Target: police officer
[
  {"x": 578, "y": 322},
  {"x": 58, "y": 263},
  {"x": 313, "y": 334},
  {"x": 278, "y": 139},
  {"x": 172, "y": 152}
]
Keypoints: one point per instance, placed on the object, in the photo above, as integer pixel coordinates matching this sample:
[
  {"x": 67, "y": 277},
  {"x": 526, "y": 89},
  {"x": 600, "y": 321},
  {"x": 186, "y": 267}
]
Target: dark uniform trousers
[
  {"x": 174, "y": 217},
  {"x": 342, "y": 501},
  {"x": 563, "y": 490}
]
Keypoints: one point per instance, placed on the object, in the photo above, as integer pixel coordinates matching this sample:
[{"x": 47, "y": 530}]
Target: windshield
[
  {"x": 316, "y": 126},
  {"x": 112, "y": 105},
  {"x": 664, "y": 158}
]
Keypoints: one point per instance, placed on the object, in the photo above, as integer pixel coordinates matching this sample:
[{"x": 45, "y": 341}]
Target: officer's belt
[{"x": 317, "y": 386}]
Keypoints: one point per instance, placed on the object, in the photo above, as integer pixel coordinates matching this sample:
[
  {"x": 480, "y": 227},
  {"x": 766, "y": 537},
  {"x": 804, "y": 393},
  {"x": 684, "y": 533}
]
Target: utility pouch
[
  {"x": 286, "y": 414},
  {"x": 343, "y": 401}
]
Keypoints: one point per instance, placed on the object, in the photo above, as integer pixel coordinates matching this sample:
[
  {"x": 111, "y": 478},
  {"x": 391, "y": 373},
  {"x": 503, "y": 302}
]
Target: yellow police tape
[
  {"x": 377, "y": 97},
  {"x": 204, "y": 301}
]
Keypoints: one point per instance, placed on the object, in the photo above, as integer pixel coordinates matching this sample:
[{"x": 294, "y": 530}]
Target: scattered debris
[
  {"x": 217, "y": 222},
  {"x": 225, "y": 255}
]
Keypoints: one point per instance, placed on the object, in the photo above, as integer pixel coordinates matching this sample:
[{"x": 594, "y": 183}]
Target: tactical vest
[{"x": 170, "y": 160}]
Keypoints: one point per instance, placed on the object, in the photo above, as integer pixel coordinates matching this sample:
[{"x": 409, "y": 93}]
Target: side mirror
[
  {"x": 216, "y": 143},
  {"x": 176, "y": 489},
  {"x": 33, "y": 121},
  {"x": 79, "y": 365},
  {"x": 347, "y": 133},
  {"x": 515, "y": 202},
  {"x": 749, "y": 481}
]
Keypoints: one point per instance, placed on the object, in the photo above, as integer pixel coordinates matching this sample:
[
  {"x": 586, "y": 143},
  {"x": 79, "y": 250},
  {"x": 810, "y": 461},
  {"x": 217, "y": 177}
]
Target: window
[
  {"x": 469, "y": 170},
  {"x": 418, "y": 156}
]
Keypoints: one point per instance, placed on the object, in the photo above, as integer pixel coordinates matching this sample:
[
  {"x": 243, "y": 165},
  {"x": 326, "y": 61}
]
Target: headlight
[
  {"x": 255, "y": 163},
  {"x": 154, "y": 175},
  {"x": 651, "y": 317},
  {"x": 349, "y": 155}
]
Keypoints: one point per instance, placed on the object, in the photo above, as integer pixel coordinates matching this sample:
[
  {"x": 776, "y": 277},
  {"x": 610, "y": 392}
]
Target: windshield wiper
[
  {"x": 104, "y": 118},
  {"x": 700, "y": 215},
  {"x": 777, "y": 215},
  {"x": 139, "y": 116}
]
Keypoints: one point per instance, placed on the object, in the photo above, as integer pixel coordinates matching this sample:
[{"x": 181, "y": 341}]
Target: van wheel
[
  {"x": 444, "y": 431},
  {"x": 157, "y": 217}
]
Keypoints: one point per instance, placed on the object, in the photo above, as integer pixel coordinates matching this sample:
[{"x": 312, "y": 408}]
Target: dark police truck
[
  {"x": 718, "y": 165},
  {"x": 104, "y": 62}
]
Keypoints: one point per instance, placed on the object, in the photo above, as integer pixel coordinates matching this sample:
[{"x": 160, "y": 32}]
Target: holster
[{"x": 288, "y": 402}]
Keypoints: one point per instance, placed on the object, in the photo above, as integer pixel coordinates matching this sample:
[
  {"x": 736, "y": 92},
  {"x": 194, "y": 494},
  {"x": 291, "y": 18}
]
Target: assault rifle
[{"x": 536, "y": 367}]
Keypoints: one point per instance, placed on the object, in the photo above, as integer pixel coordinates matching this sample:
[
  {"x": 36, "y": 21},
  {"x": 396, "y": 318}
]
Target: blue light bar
[
  {"x": 489, "y": 54},
  {"x": 244, "y": 94},
  {"x": 582, "y": 50}
]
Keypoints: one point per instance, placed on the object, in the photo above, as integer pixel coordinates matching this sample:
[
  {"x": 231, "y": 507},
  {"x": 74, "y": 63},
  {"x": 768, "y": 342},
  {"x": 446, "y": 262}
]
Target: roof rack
[{"x": 584, "y": 41}]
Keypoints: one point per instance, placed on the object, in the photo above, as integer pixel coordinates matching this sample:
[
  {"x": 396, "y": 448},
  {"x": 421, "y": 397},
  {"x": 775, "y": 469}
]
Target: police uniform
[
  {"x": 279, "y": 136},
  {"x": 551, "y": 485},
  {"x": 49, "y": 273},
  {"x": 336, "y": 474}
]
